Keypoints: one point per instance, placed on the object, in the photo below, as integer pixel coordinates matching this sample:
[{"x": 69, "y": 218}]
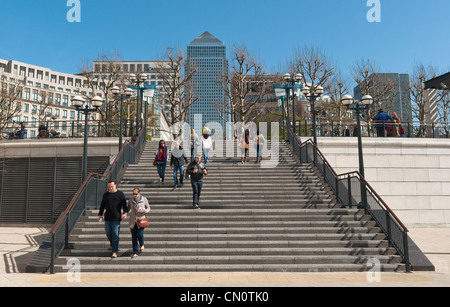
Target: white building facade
[{"x": 46, "y": 97}]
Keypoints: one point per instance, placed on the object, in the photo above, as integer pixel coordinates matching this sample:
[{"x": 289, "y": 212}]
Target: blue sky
[{"x": 410, "y": 32}]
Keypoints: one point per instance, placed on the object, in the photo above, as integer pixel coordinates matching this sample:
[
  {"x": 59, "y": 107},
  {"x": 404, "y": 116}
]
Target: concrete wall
[
  {"x": 411, "y": 175},
  {"x": 58, "y": 147}
]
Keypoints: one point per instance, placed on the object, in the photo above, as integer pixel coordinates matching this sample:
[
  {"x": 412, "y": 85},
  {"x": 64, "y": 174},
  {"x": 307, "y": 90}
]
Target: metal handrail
[
  {"x": 388, "y": 222},
  {"x": 66, "y": 219}
]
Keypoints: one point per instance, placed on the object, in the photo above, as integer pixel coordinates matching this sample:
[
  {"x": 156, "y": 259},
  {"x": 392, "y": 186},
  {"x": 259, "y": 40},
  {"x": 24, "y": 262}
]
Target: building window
[
  {"x": 58, "y": 99},
  {"x": 26, "y": 95},
  {"x": 35, "y": 95}
]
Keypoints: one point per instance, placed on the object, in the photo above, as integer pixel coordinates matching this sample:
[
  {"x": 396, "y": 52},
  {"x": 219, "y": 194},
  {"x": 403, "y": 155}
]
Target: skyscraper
[{"x": 207, "y": 54}]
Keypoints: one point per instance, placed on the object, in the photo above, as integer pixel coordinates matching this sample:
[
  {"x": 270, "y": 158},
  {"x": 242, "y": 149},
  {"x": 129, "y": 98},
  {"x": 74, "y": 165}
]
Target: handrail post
[
  {"x": 406, "y": 252},
  {"x": 52, "y": 259},
  {"x": 388, "y": 228},
  {"x": 337, "y": 189},
  {"x": 349, "y": 182}
]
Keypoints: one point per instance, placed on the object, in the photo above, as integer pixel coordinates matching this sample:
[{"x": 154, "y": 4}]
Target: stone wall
[{"x": 411, "y": 175}]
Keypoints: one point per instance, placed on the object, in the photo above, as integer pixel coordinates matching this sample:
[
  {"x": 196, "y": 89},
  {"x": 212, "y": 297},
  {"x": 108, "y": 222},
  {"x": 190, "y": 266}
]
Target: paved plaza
[{"x": 17, "y": 245}]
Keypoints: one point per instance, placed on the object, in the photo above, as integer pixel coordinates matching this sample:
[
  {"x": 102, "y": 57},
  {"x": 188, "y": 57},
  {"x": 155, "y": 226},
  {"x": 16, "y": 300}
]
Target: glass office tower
[{"x": 207, "y": 54}]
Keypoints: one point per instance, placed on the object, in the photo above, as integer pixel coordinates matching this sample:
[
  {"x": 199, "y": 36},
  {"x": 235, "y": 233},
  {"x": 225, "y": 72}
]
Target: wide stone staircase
[{"x": 282, "y": 219}]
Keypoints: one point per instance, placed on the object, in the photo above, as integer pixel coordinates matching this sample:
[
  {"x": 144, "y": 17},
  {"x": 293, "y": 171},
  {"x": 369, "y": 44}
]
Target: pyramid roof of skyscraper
[{"x": 206, "y": 39}]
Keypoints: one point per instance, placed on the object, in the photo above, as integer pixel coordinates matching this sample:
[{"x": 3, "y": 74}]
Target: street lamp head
[
  {"x": 97, "y": 101},
  {"x": 299, "y": 76},
  {"x": 132, "y": 77},
  {"x": 143, "y": 76},
  {"x": 128, "y": 92},
  {"x": 326, "y": 99},
  {"x": 287, "y": 77},
  {"x": 77, "y": 101},
  {"x": 319, "y": 90},
  {"x": 347, "y": 100},
  {"x": 366, "y": 100},
  {"x": 305, "y": 90},
  {"x": 115, "y": 90}
]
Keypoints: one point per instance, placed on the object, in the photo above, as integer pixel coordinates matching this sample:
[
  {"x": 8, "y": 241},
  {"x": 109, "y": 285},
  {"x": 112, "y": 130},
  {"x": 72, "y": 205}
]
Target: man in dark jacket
[
  {"x": 196, "y": 170},
  {"x": 381, "y": 122},
  {"x": 113, "y": 203}
]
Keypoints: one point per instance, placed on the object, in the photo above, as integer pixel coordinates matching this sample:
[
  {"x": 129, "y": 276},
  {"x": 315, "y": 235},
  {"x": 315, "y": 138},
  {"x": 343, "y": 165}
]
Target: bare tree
[
  {"x": 366, "y": 74},
  {"x": 10, "y": 106},
  {"x": 444, "y": 111},
  {"x": 421, "y": 73},
  {"x": 178, "y": 91},
  {"x": 315, "y": 66},
  {"x": 101, "y": 79},
  {"x": 336, "y": 87},
  {"x": 245, "y": 85},
  {"x": 41, "y": 107}
]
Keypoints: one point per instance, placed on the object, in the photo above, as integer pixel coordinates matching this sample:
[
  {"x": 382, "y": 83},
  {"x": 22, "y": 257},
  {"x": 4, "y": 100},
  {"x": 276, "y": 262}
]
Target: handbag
[
  {"x": 155, "y": 162},
  {"x": 142, "y": 222}
]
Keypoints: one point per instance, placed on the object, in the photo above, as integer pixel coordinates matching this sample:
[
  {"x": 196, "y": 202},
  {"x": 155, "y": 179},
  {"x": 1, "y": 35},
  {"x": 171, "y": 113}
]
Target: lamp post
[
  {"x": 136, "y": 83},
  {"x": 126, "y": 93},
  {"x": 293, "y": 80},
  {"x": 312, "y": 92},
  {"x": 78, "y": 103},
  {"x": 149, "y": 91},
  {"x": 358, "y": 106},
  {"x": 280, "y": 93}
]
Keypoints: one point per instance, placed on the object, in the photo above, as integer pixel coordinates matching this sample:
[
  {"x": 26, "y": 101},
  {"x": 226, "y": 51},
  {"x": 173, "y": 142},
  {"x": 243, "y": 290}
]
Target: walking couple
[{"x": 115, "y": 208}]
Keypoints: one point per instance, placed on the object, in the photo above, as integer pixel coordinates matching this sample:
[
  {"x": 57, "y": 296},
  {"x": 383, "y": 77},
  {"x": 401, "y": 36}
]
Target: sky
[{"x": 408, "y": 32}]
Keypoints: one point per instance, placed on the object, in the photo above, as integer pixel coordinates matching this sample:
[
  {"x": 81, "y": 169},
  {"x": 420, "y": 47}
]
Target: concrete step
[
  {"x": 155, "y": 251},
  {"x": 283, "y": 219},
  {"x": 236, "y": 244},
  {"x": 279, "y": 260},
  {"x": 328, "y": 267}
]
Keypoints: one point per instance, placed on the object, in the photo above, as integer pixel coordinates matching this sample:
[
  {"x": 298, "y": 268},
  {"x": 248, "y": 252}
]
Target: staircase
[{"x": 282, "y": 219}]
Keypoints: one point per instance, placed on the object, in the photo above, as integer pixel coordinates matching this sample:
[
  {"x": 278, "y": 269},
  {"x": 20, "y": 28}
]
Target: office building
[
  {"x": 391, "y": 92},
  {"x": 45, "y": 97},
  {"x": 207, "y": 54},
  {"x": 150, "y": 68}
]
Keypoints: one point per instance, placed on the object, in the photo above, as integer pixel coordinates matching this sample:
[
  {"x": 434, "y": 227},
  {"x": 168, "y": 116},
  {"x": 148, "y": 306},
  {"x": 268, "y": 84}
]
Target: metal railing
[
  {"x": 89, "y": 196},
  {"x": 408, "y": 129},
  {"x": 352, "y": 190},
  {"x": 69, "y": 128}
]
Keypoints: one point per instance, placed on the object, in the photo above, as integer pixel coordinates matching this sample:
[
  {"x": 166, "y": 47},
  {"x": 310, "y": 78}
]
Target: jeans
[
  {"x": 175, "y": 174},
  {"x": 259, "y": 150},
  {"x": 112, "y": 229},
  {"x": 197, "y": 189},
  {"x": 137, "y": 234},
  {"x": 161, "y": 170},
  {"x": 206, "y": 155}
]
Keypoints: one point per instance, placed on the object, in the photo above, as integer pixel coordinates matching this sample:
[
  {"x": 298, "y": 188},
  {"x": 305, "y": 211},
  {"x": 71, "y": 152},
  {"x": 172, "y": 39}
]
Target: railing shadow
[{"x": 353, "y": 191}]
